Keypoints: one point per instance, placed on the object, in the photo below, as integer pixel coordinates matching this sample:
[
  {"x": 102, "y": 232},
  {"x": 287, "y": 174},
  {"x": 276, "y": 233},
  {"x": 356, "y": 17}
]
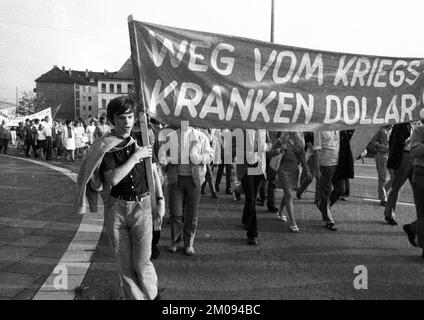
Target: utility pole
[{"x": 272, "y": 21}]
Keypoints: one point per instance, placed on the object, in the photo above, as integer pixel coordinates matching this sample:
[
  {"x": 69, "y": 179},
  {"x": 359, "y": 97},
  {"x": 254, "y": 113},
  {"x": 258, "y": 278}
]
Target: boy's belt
[{"x": 133, "y": 197}]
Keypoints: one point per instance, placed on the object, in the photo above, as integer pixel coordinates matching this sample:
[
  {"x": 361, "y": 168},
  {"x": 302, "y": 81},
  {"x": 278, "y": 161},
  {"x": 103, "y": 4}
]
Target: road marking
[
  {"x": 365, "y": 165},
  {"x": 90, "y": 228},
  {"x": 397, "y": 203},
  {"x": 365, "y": 177}
]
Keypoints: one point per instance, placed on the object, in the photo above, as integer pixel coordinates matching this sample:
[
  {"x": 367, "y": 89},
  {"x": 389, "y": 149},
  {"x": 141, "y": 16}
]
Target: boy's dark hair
[{"x": 120, "y": 106}]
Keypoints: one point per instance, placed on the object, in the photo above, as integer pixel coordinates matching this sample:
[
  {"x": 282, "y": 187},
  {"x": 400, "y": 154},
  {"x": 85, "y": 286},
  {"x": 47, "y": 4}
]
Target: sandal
[
  {"x": 282, "y": 217},
  {"x": 294, "y": 229}
]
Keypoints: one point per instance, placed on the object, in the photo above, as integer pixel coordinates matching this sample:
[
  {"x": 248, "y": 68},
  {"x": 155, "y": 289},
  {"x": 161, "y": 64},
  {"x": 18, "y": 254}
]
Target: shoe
[
  {"x": 217, "y": 188},
  {"x": 252, "y": 241},
  {"x": 214, "y": 195},
  {"x": 228, "y": 191},
  {"x": 331, "y": 226},
  {"x": 203, "y": 191},
  {"x": 294, "y": 229},
  {"x": 173, "y": 247},
  {"x": 260, "y": 202},
  {"x": 237, "y": 195},
  {"x": 343, "y": 198},
  {"x": 282, "y": 217},
  {"x": 272, "y": 209},
  {"x": 410, "y": 234},
  {"x": 383, "y": 203},
  {"x": 298, "y": 195},
  {"x": 189, "y": 251},
  {"x": 391, "y": 221}
]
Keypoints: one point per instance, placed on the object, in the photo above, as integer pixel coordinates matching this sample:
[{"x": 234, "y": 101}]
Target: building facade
[
  {"x": 120, "y": 83},
  {"x": 59, "y": 96},
  {"x": 110, "y": 89},
  {"x": 75, "y": 94},
  {"x": 88, "y": 101}
]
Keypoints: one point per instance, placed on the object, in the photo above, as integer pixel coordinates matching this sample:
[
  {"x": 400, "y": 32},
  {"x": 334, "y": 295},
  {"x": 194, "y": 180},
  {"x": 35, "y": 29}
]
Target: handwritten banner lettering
[{"x": 221, "y": 81}]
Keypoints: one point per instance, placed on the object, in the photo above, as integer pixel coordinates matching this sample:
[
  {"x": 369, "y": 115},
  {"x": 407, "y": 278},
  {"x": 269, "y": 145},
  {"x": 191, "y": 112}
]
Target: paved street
[
  {"x": 36, "y": 225},
  {"x": 39, "y": 232},
  {"x": 37, "y": 228},
  {"x": 315, "y": 264}
]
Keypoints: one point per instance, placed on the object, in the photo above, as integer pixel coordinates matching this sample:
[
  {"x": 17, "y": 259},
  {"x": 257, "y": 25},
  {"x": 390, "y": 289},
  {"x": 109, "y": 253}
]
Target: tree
[{"x": 28, "y": 103}]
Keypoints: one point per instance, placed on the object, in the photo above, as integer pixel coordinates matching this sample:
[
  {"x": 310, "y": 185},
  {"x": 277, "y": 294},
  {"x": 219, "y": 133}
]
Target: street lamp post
[{"x": 272, "y": 21}]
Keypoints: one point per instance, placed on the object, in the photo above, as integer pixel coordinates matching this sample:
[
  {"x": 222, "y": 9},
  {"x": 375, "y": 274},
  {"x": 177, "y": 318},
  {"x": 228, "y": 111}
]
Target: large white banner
[
  {"x": 218, "y": 81},
  {"x": 8, "y": 112},
  {"x": 14, "y": 121}
]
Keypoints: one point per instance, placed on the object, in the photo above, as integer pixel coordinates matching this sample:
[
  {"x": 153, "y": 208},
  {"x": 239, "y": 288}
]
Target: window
[
  {"x": 83, "y": 98},
  {"x": 83, "y": 89},
  {"x": 130, "y": 88},
  {"x": 83, "y": 108},
  {"x": 104, "y": 103},
  {"x": 89, "y": 108},
  {"x": 103, "y": 87},
  {"x": 111, "y": 88},
  {"x": 118, "y": 88},
  {"x": 89, "y": 90},
  {"x": 77, "y": 108}
]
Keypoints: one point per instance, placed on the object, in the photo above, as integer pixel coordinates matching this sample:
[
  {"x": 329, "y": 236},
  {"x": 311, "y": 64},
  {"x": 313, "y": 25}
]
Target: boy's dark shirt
[{"x": 135, "y": 183}]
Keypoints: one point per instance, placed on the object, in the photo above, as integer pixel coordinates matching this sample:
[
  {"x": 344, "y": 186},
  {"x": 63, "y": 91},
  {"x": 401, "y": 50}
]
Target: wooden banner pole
[{"x": 135, "y": 58}]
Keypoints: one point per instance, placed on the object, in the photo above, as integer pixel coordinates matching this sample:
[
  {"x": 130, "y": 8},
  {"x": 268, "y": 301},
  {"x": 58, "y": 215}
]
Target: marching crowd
[
  {"x": 325, "y": 155},
  {"x": 291, "y": 161},
  {"x": 40, "y": 138},
  {"x": 116, "y": 161}
]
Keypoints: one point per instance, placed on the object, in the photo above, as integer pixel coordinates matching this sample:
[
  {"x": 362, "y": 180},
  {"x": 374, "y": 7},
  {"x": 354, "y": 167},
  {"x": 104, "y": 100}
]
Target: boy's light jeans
[{"x": 129, "y": 226}]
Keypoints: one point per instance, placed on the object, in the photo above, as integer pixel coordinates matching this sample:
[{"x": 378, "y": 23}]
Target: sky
[{"x": 35, "y": 35}]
